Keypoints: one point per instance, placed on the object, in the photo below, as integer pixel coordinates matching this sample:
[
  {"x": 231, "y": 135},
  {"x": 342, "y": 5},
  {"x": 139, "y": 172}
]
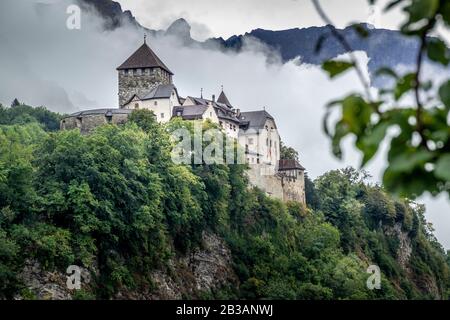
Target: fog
[{"x": 44, "y": 63}]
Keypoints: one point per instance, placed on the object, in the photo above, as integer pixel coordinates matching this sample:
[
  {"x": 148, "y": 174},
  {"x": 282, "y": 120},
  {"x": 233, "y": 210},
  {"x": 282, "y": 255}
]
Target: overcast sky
[{"x": 44, "y": 63}]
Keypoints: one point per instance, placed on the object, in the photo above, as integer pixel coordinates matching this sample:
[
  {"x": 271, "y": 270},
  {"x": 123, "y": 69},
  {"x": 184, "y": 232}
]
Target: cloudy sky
[
  {"x": 220, "y": 18},
  {"x": 44, "y": 63}
]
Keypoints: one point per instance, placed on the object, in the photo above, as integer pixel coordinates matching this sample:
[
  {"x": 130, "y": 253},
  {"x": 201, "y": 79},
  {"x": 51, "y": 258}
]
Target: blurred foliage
[{"x": 418, "y": 131}]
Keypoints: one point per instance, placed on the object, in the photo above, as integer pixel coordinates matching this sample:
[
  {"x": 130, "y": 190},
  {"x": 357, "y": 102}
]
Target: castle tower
[{"x": 140, "y": 73}]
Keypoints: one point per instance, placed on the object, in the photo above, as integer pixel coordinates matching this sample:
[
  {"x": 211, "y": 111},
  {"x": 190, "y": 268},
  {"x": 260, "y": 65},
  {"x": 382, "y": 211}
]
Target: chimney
[{"x": 214, "y": 98}]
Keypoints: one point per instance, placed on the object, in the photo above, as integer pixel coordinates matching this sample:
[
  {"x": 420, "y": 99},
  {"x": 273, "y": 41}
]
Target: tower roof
[
  {"x": 223, "y": 99},
  {"x": 144, "y": 57}
]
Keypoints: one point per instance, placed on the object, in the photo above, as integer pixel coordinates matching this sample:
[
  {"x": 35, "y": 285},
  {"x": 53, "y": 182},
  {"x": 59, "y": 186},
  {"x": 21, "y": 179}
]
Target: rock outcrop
[{"x": 202, "y": 271}]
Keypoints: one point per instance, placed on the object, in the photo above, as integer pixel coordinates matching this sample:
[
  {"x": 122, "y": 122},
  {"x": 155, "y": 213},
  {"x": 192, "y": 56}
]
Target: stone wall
[
  {"x": 141, "y": 83},
  {"x": 87, "y": 123},
  {"x": 294, "y": 189},
  {"x": 265, "y": 178}
]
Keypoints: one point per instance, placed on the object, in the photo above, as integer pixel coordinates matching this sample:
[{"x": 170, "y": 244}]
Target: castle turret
[{"x": 140, "y": 73}]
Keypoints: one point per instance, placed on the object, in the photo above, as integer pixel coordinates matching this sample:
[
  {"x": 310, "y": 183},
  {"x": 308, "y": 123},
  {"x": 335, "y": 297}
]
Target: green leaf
[
  {"x": 421, "y": 9},
  {"x": 370, "y": 143},
  {"x": 340, "y": 131},
  {"x": 335, "y": 68},
  {"x": 356, "y": 113},
  {"x": 386, "y": 72},
  {"x": 407, "y": 161},
  {"x": 444, "y": 94},
  {"x": 404, "y": 85},
  {"x": 438, "y": 51},
  {"x": 442, "y": 170}
]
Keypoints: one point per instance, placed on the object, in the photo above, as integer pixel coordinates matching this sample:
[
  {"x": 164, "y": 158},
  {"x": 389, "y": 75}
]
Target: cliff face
[
  {"x": 404, "y": 248},
  {"x": 194, "y": 275},
  {"x": 426, "y": 282}
]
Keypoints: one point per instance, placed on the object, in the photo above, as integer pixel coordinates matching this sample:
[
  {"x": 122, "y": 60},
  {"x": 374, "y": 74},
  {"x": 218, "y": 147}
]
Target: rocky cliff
[{"x": 197, "y": 274}]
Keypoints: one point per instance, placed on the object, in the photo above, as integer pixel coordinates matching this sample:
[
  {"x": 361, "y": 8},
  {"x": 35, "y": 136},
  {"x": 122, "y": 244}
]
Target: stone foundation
[{"x": 275, "y": 185}]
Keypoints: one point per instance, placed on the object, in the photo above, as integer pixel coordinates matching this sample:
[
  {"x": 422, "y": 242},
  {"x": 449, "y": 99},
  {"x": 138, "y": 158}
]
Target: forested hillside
[{"x": 114, "y": 203}]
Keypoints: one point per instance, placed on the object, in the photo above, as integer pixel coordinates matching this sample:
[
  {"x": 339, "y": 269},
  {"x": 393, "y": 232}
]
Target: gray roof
[
  {"x": 190, "y": 112},
  {"x": 200, "y": 100},
  {"x": 223, "y": 99},
  {"x": 144, "y": 57},
  {"x": 223, "y": 111},
  {"x": 161, "y": 91},
  {"x": 289, "y": 164},
  {"x": 256, "y": 119},
  {"x": 106, "y": 112}
]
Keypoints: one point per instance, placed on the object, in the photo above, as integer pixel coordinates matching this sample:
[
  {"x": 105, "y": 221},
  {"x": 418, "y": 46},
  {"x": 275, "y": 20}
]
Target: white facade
[
  {"x": 231, "y": 128},
  {"x": 262, "y": 145},
  {"x": 161, "y": 107},
  {"x": 210, "y": 114}
]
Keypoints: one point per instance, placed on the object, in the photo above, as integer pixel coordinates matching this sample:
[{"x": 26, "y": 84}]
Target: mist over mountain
[{"x": 384, "y": 48}]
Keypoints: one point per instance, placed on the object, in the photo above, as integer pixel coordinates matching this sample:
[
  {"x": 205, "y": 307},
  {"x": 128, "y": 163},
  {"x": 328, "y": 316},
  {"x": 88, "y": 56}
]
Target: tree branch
[{"x": 341, "y": 39}]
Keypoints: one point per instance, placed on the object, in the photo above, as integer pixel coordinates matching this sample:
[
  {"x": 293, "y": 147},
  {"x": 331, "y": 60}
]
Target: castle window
[
  {"x": 267, "y": 141},
  {"x": 136, "y": 105},
  {"x": 257, "y": 160},
  {"x": 156, "y": 103},
  {"x": 250, "y": 140},
  {"x": 138, "y": 72},
  {"x": 162, "y": 115},
  {"x": 210, "y": 114}
]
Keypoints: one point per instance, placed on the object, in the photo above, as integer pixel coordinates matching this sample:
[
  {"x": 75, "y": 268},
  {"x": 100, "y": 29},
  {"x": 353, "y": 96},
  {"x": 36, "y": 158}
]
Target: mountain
[
  {"x": 111, "y": 12},
  {"x": 385, "y": 48}
]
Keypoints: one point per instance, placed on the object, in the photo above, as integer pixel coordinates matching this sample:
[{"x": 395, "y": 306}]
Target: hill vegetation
[{"x": 115, "y": 199}]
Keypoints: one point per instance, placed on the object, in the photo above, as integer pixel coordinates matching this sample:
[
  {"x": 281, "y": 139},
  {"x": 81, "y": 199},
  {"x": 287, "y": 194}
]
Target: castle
[{"x": 145, "y": 82}]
